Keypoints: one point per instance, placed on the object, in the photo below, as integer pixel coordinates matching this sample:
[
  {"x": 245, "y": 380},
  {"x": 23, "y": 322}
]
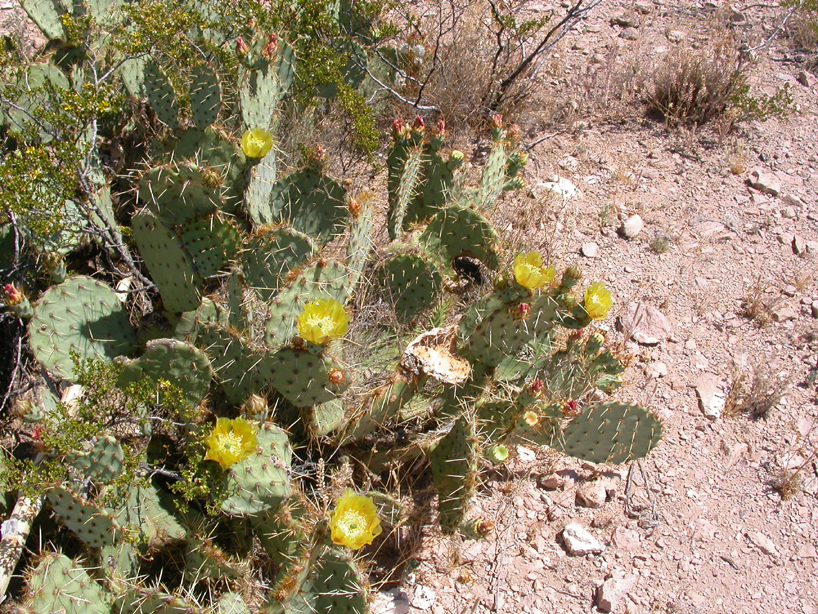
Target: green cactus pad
[
  {"x": 176, "y": 193},
  {"x": 283, "y": 538},
  {"x": 171, "y": 267},
  {"x": 259, "y": 189},
  {"x": 325, "y": 417},
  {"x": 259, "y": 93},
  {"x": 459, "y": 231},
  {"x": 611, "y": 433},
  {"x": 304, "y": 378},
  {"x": 101, "y": 462},
  {"x": 231, "y": 603},
  {"x": 94, "y": 525},
  {"x": 360, "y": 244},
  {"x": 212, "y": 242},
  {"x": 148, "y": 515},
  {"x": 241, "y": 310},
  {"x": 205, "y": 96},
  {"x": 410, "y": 283},
  {"x": 493, "y": 177},
  {"x": 236, "y": 366},
  {"x": 179, "y": 363},
  {"x": 334, "y": 584},
  {"x": 269, "y": 255},
  {"x": 322, "y": 279},
  {"x": 311, "y": 203},
  {"x": 59, "y": 584},
  {"x": 453, "y": 472},
  {"x": 47, "y": 14},
  {"x": 261, "y": 482},
  {"x": 434, "y": 191},
  {"x": 80, "y": 315},
  {"x": 383, "y": 406},
  {"x": 161, "y": 96},
  {"x": 405, "y": 191}
]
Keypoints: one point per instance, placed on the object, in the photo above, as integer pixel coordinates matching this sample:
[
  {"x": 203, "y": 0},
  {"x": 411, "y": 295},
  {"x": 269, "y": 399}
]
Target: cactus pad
[
  {"x": 304, "y": 378},
  {"x": 410, "y": 283},
  {"x": 236, "y": 366},
  {"x": 212, "y": 242},
  {"x": 269, "y": 256},
  {"x": 94, "y": 525},
  {"x": 612, "y": 433},
  {"x": 102, "y": 462},
  {"x": 459, "y": 231},
  {"x": 161, "y": 96},
  {"x": 59, "y": 584},
  {"x": 205, "y": 96},
  {"x": 171, "y": 267},
  {"x": 80, "y": 315},
  {"x": 311, "y": 203},
  {"x": 453, "y": 472}
]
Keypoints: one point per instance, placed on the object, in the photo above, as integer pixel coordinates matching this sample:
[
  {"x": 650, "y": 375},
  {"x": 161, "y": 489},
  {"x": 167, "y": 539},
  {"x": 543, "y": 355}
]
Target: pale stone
[
  {"x": 579, "y": 541},
  {"x": 611, "y": 595},
  {"x": 764, "y": 182},
  {"x": 711, "y": 396},
  {"x": 645, "y": 324},
  {"x": 590, "y": 250},
  {"x": 632, "y": 227},
  {"x": 763, "y": 543},
  {"x": 591, "y": 494}
]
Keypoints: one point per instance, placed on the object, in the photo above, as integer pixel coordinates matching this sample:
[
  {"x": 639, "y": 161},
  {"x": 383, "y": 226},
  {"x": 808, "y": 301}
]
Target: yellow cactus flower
[
  {"x": 530, "y": 273},
  {"x": 256, "y": 143},
  {"x": 531, "y": 418},
  {"x": 354, "y": 523},
  {"x": 230, "y": 441},
  {"x": 322, "y": 321},
  {"x": 499, "y": 453},
  {"x": 598, "y": 301}
]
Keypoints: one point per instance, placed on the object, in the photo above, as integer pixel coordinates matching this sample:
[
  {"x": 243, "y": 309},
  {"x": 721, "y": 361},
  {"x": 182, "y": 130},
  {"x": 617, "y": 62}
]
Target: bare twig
[{"x": 746, "y": 52}]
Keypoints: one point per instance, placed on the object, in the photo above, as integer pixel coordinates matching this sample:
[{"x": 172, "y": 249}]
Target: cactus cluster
[{"x": 247, "y": 345}]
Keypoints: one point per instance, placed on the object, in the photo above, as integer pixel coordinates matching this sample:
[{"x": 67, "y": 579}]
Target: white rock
[
  {"x": 626, "y": 539},
  {"x": 526, "y": 455},
  {"x": 560, "y": 186},
  {"x": 393, "y": 601},
  {"x": 579, "y": 541},
  {"x": 711, "y": 396},
  {"x": 611, "y": 595},
  {"x": 764, "y": 182},
  {"x": 569, "y": 163},
  {"x": 676, "y": 36},
  {"x": 423, "y": 598},
  {"x": 632, "y": 227},
  {"x": 590, "y": 250},
  {"x": 656, "y": 370},
  {"x": 645, "y": 324}
]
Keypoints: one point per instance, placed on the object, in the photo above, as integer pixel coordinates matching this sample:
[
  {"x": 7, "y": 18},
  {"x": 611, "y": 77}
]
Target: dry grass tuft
[
  {"x": 755, "y": 391},
  {"x": 756, "y": 306}
]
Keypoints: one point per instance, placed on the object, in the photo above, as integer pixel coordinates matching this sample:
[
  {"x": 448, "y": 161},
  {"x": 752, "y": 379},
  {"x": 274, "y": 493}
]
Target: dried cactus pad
[{"x": 80, "y": 315}]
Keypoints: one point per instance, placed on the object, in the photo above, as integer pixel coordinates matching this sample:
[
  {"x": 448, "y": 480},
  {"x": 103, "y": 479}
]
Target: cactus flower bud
[
  {"x": 440, "y": 128},
  {"x": 419, "y": 125},
  {"x": 520, "y": 311},
  {"x": 498, "y": 453},
  {"x": 397, "y": 128},
  {"x": 271, "y": 47},
  {"x": 12, "y": 295},
  {"x": 536, "y": 387},
  {"x": 354, "y": 207},
  {"x": 569, "y": 408},
  {"x": 242, "y": 48},
  {"x": 336, "y": 376},
  {"x": 497, "y": 121}
]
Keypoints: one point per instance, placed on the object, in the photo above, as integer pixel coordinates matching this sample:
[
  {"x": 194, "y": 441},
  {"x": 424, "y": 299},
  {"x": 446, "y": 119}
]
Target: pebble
[
  {"x": 579, "y": 541},
  {"x": 814, "y": 308},
  {"x": 645, "y": 323},
  {"x": 393, "y": 601},
  {"x": 551, "y": 482},
  {"x": 656, "y": 370},
  {"x": 675, "y": 36},
  {"x": 590, "y": 250},
  {"x": 764, "y": 182},
  {"x": 591, "y": 495},
  {"x": 711, "y": 396},
  {"x": 526, "y": 455},
  {"x": 626, "y": 539},
  {"x": 763, "y": 543},
  {"x": 611, "y": 595},
  {"x": 632, "y": 227},
  {"x": 629, "y": 34}
]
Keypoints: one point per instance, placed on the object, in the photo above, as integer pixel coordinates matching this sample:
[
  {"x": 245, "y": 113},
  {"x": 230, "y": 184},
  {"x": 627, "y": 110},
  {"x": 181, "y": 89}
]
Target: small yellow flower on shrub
[
  {"x": 530, "y": 273},
  {"x": 354, "y": 523},
  {"x": 499, "y": 453},
  {"x": 598, "y": 301},
  {"x": 531, "y": 419},
  {"x": 256, "y": 143},
  {"x": 230, "y": 441},
  {"x": 322, "y": 321}
]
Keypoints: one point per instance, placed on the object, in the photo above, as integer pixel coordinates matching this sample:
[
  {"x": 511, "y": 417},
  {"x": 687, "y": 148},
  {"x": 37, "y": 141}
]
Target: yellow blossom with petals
[
  {"x": 230, "y": 441},
  {"x": 354, "y": 523},
  {"x": 530, "y": 273},
  {"x": 322, "y": 321},
  {"x": 598, "y": 301},
  {"x": 256, "y": 143},
  {"x": 531, "y": 418}
]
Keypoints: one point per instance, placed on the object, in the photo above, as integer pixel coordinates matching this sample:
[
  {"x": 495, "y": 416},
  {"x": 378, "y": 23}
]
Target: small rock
[
  {"x": 788, "y": 213},
  {"x": 807, "y": 551},
  {"x": 611, "y": 595},
  {"x": 626, "y": 539},
  {"x": 643, "y": 7},
  {"x": 764, "y": 182},
  {"x": 789, "y": 290},
  {"x": 804, "y": 78},
  {"x": 526, "y": 455},
  {"x": 656, "y": 370},
  {"x": 814, "y": 308},
  {"x": 794, "y": 200},
  {"x": 625, "y": 20},
  {"x": 590, "y": 250},
  {"x": 579, "y": 541},
  {"x": 783, "y": 313},
  {"x": 551, "y": 482},
  {"x": 632, "y": 227},
  {"x": 786, "y": 238},
  {"x": 690, "y": 344},
  {"x": 711, "y": 397},
  {"x": 629, "y": 34},
  {"x": 423, "y": 597},
  {"x": 763, "y": 543},
  {"x": 560, "y": 186},
  {"x": 646, "y": 324},
  {"x": 569, "y": 163},
  {"x": 675, "y": 36},
  {"x": 393, "y": 601},
  {"x": 591, "y": 494}
]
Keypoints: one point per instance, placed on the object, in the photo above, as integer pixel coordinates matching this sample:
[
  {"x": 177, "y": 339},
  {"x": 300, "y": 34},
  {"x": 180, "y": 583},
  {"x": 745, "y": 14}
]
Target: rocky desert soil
[
  {"x": 725, "y": 276},
  {"x": 716, "y": 289}
]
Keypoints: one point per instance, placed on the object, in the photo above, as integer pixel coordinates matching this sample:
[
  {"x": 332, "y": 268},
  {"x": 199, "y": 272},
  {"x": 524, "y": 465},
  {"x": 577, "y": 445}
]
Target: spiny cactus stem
[{"x": 15, "y": 534}]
